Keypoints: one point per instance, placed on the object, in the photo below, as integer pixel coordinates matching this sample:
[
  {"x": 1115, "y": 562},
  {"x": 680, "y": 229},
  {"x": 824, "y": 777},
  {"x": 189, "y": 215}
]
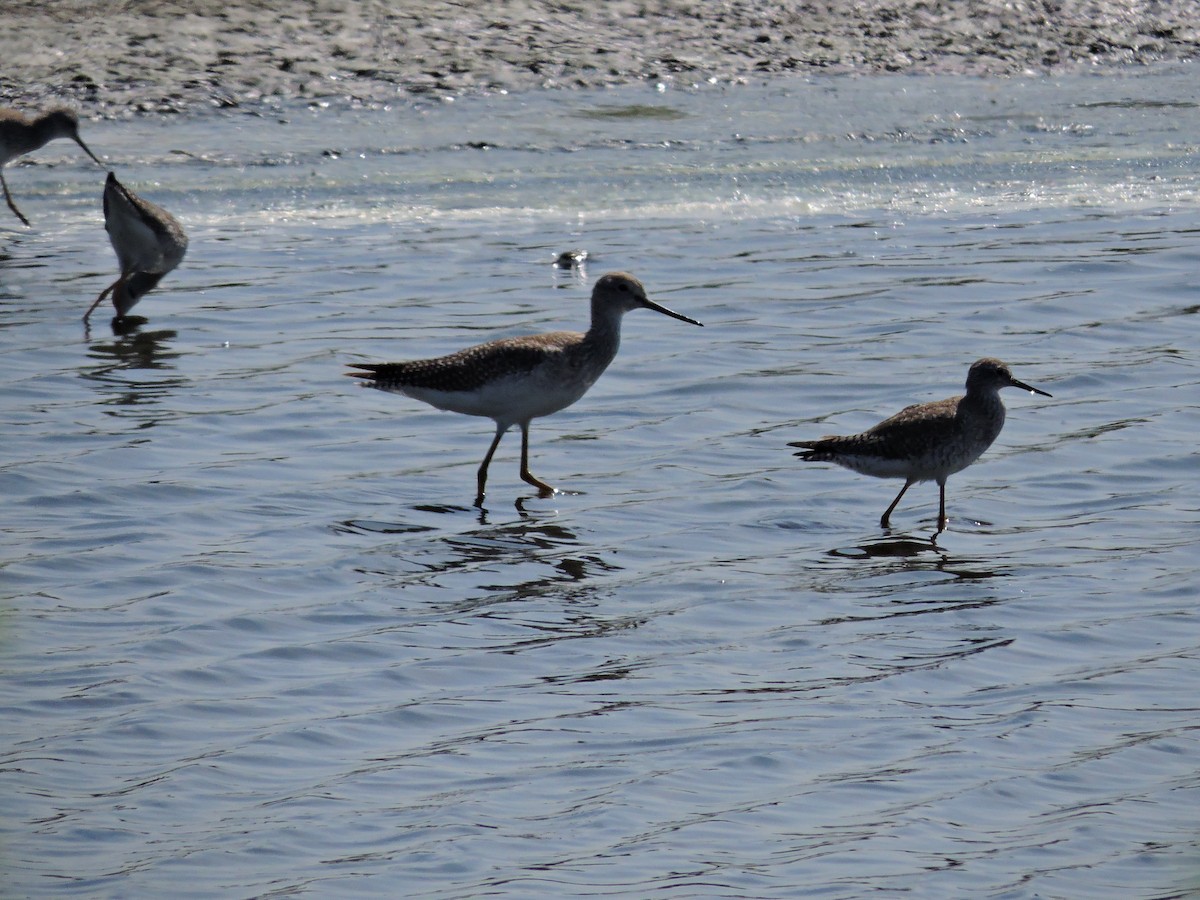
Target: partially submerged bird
[
  {"x": 571, "y": 259},
  {"x": 515, "y": 380},
  {"x": 21, "y": 133},
  {"x": 926, "y": 441},
  {"x": 148, "y": 241}
]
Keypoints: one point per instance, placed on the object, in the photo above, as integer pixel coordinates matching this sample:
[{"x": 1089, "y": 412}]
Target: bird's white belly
[
  {"x": 937, "y": 464},
  {"x": 136, "y": 244},
  {"x": 508, "y": 400}
]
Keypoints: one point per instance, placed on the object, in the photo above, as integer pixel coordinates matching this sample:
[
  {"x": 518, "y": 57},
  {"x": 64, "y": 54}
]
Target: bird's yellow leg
[
  {"x": 527, "y": 476},
  {"x": 104, "y": 293}
]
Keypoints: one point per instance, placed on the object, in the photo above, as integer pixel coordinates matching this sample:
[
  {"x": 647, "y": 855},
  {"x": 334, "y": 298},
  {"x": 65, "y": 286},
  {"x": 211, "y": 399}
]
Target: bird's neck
[
  {"x": 984, "y": 408},
  {"x": 603, "y": 338}
]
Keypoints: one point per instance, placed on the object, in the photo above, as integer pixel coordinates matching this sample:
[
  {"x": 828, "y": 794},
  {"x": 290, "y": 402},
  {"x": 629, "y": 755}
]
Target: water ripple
[{"x": 258, "y": 641}]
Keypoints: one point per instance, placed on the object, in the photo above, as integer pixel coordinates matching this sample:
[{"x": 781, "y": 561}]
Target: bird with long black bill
[
  {"x": 22, "y": 133},
  {"x": 926, "y": 441},
  {"x": 516, "y": 380}
]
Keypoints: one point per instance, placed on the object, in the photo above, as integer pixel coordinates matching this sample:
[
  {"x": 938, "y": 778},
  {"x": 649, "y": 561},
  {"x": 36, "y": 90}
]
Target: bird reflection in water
[
  {"x": 111, "y": 364},
  {"x": 902, "y": 548},
  {"x": 427, "y": 551},
  {"x": 916, "y": 555},
  {"x": 134, "y": 349}
]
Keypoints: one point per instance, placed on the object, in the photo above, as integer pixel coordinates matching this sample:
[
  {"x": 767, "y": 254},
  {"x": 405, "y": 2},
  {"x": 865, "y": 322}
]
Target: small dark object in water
[{"x": 570, "y": 259}]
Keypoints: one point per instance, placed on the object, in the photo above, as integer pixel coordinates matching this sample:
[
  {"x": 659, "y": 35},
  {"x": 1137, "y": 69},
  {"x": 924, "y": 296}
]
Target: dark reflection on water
[
  {"x": 914, "y": 555},
  {"x": 536, "y": 540},
  {"x": 368, "y": 526},
  {"x": 125, "y": 396},
  {"x": 903, "y": 547},
  {"x": 133, "y": 350}
]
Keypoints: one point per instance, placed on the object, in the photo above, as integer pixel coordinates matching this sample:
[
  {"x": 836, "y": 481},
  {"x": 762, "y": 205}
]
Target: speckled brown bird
[
  {"x": 926, "y": 441},
  {"x": 515, "y": 380},
  {"x": 148, "y": 241},
  {"x": 21, "y": 133}
]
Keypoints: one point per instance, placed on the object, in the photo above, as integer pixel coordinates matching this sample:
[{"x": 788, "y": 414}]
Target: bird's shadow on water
[
  {"x": 912, "y": 551},
  {"x": 122, "y": 326},
  {"x": 134, "y": 349},
  {"x": 523, "y": 556},
  {"x": 889, "y": 547},
  {"x": 516, "y": 583},
  {"x": 132, "y": 374},
  {"x": 481, "y": 513}
]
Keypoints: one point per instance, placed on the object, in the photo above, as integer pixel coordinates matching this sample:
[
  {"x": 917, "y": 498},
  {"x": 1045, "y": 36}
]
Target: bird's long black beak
[
  {"x": 1025, "y": 387},
  {"x": 87, "y": 150},
  {"x": 658, "y": 307}
]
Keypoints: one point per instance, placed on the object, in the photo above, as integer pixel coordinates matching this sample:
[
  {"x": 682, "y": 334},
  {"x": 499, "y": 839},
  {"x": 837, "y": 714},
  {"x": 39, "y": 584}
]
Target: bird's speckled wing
[
  {"x": 906, "y": 435},
  {"x": 468, "y": 369}
]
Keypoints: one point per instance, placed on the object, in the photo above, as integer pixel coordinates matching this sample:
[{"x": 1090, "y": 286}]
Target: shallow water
[{"x": 257, "y": 640}]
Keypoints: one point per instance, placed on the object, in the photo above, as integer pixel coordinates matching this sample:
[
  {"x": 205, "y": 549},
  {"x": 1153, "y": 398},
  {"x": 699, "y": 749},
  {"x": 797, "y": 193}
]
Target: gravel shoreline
[{"x": 115, "y": 59}]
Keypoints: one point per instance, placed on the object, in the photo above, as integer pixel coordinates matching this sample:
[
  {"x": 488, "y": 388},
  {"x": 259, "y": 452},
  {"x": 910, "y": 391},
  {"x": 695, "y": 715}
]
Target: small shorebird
[
  {"x": 515, "y": 380},
  {"x": 148, "y": 241},
  {"x": 21, "y": 134},
  {"x": 926, "y": 441}
]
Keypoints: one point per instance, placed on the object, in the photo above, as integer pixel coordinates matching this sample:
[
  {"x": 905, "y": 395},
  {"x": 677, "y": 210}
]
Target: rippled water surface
[{"x": 257, "y": 641}]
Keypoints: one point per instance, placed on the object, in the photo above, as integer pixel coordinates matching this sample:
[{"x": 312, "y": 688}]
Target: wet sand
[{"x": 113, "y": 59}]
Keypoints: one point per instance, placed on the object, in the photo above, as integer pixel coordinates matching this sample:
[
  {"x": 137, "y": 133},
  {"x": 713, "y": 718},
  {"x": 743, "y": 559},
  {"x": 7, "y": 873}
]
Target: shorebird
[
  {"x": 926, "y": 441},
  {"x": 515, "y": 380},
  {"x": 21, "y": 134},
  {"x": 571, "y": 259},
  {"x": 148, "y": 241}
]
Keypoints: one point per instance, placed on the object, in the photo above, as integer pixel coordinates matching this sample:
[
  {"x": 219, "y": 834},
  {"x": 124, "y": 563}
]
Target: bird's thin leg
[
  {"x": 9, "y": 200},
  {"x": 527, "y": 476},
  {"x": 887, "y": 513},
  {"x": 104, "y": 293},
  {"x": 941, "y": 506},
  {"x": 487, "y": 460}
]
